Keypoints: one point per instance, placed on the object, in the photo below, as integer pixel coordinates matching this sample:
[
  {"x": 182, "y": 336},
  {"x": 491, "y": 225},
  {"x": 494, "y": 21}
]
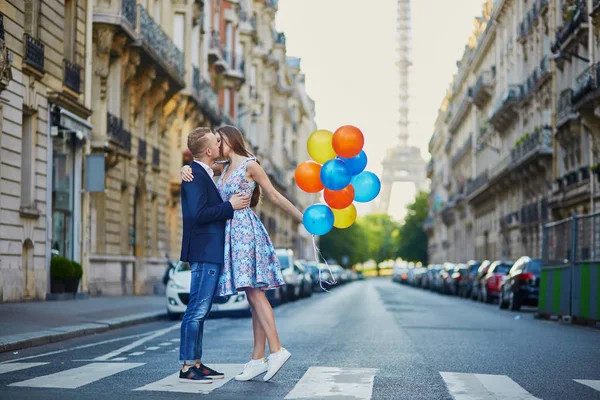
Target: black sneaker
[
  {"x": 209, "y": 372},
  {"x": 193, "y": 375}
]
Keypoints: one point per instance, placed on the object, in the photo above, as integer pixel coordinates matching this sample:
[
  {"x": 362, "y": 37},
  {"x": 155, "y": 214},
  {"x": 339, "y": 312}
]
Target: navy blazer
[{"x": 204, "y": 216}]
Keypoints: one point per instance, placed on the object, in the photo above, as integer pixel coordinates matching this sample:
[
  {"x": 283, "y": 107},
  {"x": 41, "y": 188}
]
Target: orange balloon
[
  {"x": 308, "y": 177},
  {"x": 339, "y": 199},
  {"x": 348, "y": 141}
]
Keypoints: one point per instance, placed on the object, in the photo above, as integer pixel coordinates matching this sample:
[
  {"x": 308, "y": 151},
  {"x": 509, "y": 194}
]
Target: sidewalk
[{"x": 31, "y": 324}]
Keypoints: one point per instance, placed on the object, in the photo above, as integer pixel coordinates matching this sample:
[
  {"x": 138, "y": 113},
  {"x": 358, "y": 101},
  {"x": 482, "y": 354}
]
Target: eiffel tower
[{"x": 402, "y": 163}]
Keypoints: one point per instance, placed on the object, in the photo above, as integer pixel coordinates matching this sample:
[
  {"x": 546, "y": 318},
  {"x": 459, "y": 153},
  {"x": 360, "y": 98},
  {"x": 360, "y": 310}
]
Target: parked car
[
  {"x": 466, "y": 285},
  {"x": 312, "y": 269},
  {"x": 338, "y": 273},
  {"x": 493, "y": 279},
  {"x": 442, "y": 279},
  {"x": 178, "y": 295},
  {"x": 456, "y": 277},
  {"x": 293, "y": 280},
  {"x": 306, "y": 286},
  {"x": 478, "y": 280},
  {"x": 433, "y": 277},
  {"x": 522, "y": 286},
  {"x": 400, "y": 274}
]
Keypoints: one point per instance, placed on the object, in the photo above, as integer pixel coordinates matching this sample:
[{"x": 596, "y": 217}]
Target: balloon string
[{"x": 318, "y": 255}]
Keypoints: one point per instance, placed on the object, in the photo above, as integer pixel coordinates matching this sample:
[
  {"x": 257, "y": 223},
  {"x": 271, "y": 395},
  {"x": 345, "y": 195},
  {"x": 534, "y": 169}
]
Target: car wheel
[
  {"x": 173, "y": 316},
  {"x": 501, "y": 303},
  {"x": 513, "y": 303}
]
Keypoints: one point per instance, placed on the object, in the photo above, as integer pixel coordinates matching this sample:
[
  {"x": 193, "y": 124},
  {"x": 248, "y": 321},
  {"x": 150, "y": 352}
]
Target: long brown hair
[{"x": 238, "y": 146}]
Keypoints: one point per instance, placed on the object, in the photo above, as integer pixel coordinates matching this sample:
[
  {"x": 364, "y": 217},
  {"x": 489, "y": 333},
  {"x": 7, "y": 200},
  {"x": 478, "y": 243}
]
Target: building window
[
  {"x": 124, "y": 220},
  {"x": 227, "y": 100},
  {"x": 179, "y": 37},
  {"x": 28, "y": 162},
  {"x": 155, "y": 226},
  {"x": 228, "y": 42},
  {"x": 69, "y": 31},
  {"x": 196, "y": 46}
]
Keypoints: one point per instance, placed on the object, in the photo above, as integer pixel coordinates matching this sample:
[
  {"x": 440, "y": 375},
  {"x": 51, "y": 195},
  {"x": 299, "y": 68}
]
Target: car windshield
[
  {"x": 534, "y": 266},
  {"x": 502, "y": 268},
  {"x": 284, "y": 261}
]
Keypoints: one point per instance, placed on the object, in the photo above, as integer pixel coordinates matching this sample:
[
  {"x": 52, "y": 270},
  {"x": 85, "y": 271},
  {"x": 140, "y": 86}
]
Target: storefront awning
[{"x": 71, "y": 122}]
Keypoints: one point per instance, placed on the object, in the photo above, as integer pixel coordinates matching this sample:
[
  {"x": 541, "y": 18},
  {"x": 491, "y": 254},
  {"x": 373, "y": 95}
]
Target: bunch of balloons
[{"x": 337, "y": 167}]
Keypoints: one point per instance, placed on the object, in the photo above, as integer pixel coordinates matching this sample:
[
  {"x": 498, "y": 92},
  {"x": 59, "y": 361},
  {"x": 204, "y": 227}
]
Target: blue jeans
[{"x": 205, "y": 277}]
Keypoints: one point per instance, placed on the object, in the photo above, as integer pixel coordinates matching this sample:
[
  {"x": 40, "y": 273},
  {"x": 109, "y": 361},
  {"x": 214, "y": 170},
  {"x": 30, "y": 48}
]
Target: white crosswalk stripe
[
  {"x": 593, "y": 384},
  {"x": 484, "y": 387},
  {"x": 354, "y": 383},
  {"x": 5, "y": 368},
  {"x": 77, "y": 377},
  {"x": 171, "y": 383}
]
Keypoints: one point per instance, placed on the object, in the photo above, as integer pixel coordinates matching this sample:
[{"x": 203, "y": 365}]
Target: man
[{"x": 204, "y": 216}]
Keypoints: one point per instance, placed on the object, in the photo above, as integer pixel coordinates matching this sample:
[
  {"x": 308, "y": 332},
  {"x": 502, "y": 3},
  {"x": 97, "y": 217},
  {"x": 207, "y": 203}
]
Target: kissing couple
[{"x": 228, "y": 248}]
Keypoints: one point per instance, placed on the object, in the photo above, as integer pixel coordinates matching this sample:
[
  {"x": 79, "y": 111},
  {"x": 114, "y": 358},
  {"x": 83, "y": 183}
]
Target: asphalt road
[{"x": 369, "y": 339}]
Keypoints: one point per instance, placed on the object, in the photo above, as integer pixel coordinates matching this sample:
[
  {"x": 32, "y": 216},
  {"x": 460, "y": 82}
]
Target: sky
[{"x": 348, "y": 52}]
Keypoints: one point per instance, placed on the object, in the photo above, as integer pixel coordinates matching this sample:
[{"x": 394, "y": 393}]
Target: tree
[
  {"x": 382, "y": 232},
  {"x": 413, "y": 239},
  {"x": 350, "y": 242}
]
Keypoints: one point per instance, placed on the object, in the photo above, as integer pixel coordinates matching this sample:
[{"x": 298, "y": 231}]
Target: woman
[{"x": 250, "y": 263}]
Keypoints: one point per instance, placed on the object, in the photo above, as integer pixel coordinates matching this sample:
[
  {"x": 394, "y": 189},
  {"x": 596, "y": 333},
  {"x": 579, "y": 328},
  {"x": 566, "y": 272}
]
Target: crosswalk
[{"x": 317, "y": 382}]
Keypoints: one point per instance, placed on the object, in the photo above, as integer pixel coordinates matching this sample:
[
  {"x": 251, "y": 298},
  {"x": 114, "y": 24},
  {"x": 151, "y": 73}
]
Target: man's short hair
[{"x": 197, "y": 141}]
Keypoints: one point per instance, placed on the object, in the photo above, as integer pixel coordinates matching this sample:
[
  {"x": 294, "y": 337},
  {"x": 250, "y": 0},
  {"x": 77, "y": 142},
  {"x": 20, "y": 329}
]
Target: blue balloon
[
  {"x": 318, "y": 219},
  {"x": 366, "y": 186},
  {"x": 356, "y": 164},
  {"x": 335, "y": 174}
]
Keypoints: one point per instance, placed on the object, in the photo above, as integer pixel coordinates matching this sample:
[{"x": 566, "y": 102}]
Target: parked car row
[
  {"x": 511, "y": 284},
  {"x": 301, "y": 280}
]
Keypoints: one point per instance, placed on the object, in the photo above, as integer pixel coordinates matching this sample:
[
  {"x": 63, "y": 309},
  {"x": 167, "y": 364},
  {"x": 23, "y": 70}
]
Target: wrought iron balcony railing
[
  {"x": 116, "y": 133},
  {"x": 571, "y": 25},
  {"x": 142, "y": 149},
  {"x": 129, "y": 11},
  {"x": 72, "y": 78},
  {"x": 587, "y": 82},
  {"x": 538, "y": 142},
  {"x": 503, "y": 111},
  {"x": 565, "y": 107},
  {"x": 34, "y": 53},
  {"x": 160, "y": 42},
  {"x": 155, "y": 157},
  {"x": 480, "y": 181}
]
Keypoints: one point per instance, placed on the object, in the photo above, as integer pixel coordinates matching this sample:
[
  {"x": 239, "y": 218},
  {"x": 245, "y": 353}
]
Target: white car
[
  {"x": 293, "y": 281},
  {"x": 178, "y": 295}
]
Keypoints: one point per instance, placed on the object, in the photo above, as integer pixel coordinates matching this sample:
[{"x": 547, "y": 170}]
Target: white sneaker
[
  {"x": 276, "y": 361},
  {"x": 253, "y": 369}
]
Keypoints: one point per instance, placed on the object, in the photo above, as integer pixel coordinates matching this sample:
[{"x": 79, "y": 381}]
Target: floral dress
[{"x": 250, "y": 260}]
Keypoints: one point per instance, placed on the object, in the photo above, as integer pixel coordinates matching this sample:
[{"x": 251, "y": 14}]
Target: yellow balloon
[
  {"x": 319, "y": 146},
  {"x": 345, "y": 217}
]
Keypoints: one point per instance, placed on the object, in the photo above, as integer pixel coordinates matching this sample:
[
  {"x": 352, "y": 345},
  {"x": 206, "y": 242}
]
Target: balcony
[
  {"x": 247, "y": 24},
  {"x": 209, "y": 100},
  {"x": 574, "y": 26},
  {"x": 462, "y": 110},
  {"x": 530, "y": 146},
  {"x": 483, "y": 89},
  {"x": 529, "y": 21},
  {"x": 215, "y": 50},
  {"x": 464, "y": 150},
  {"x": 72, "y": 77},
  {"x": 117, "y": 134},
  {"x": 430, "y": 168},
  {"x": 544, "y": 70},
  {"x": 142, "y": 150},
  {"x": 481, "y": 180},
  {"x": 565, "y": 111},
  {"x": 586, "y": 88},
  {"x": 34, "y": 54},
  {"x": 159, "y": 42},
  {"x": 504, "y": 112}
]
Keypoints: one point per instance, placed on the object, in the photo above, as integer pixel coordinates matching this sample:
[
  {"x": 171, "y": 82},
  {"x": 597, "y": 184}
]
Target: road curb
[{"x": 38, "y": 338}]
